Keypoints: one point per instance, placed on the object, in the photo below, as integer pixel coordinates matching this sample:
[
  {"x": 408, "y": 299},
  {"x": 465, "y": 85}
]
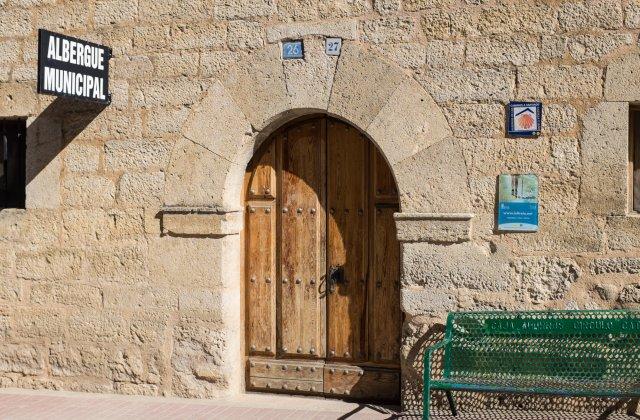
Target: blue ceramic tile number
[{"x": 292, "y": 49}]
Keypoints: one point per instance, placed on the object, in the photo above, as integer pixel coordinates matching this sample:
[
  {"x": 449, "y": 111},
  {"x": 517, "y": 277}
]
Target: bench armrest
[{"x": 427, "y": 357}]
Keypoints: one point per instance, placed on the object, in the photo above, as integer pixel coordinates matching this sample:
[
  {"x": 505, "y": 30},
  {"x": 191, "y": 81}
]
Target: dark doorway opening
[{"x": 12, "y": 163}]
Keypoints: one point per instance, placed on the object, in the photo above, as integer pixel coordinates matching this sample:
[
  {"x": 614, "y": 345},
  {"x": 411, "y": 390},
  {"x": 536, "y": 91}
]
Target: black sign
[{"x": 72, "y": 67}]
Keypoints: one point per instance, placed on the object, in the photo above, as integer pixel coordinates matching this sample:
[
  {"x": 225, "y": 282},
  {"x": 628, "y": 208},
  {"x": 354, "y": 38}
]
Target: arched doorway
[{"x": 322, "y": 264}]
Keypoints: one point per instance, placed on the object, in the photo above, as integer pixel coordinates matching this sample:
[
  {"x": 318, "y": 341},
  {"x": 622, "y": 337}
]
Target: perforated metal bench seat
[
  {"x": 566, "y": 353},
  {"x": 575, "y": 389}
]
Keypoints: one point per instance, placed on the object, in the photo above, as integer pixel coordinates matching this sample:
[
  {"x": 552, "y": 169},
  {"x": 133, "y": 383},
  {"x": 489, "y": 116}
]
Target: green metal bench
[{"x": 567, "y": 353}]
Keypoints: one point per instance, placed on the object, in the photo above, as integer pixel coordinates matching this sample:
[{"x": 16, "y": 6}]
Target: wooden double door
[{"x": 322, "y": 265}]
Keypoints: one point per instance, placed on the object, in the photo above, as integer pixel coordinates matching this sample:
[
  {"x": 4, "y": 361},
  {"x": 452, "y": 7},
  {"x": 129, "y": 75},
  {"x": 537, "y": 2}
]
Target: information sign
[
  {"x": 518, "y": 203},
  {"x": 72, "y": 67}
]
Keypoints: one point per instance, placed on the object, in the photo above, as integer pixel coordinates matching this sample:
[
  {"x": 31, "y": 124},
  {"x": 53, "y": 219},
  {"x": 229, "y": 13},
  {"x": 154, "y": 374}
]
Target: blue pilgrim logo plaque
[{"x": 524, "y": 119}]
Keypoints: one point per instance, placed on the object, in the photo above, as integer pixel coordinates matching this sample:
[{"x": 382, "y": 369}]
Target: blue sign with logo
[
  {"x": 518, "y": 203},
  {"x": 525, "y": 119}
]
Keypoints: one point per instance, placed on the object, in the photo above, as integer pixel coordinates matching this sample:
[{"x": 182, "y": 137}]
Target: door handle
[{"x": 336, "y": 276}]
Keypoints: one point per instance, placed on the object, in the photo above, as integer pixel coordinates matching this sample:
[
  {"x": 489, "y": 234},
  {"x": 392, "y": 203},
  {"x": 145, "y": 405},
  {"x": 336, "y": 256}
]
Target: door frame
[
  {"x": 267, "y": 139},
  {"x": 203, "y": 194}
]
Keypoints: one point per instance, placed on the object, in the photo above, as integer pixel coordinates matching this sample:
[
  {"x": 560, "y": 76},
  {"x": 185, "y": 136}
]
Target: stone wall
[{"x": 94, "y": 297}]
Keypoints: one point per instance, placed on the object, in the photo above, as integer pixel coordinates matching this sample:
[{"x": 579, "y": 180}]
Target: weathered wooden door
[{"x": 322, "y": 265}]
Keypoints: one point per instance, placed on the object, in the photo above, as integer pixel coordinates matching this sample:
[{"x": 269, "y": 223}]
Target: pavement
[{"x": 44, "y": 404}]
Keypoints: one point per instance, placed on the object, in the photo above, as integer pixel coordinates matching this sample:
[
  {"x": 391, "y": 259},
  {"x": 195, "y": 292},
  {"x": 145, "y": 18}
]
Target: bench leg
[
  {"x": 426, "y": 396},
  {"x": 452, "y": 403}
]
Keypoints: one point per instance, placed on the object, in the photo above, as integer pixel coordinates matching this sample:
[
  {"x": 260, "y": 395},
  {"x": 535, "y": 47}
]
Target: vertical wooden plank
[
  {"x": 347, "y": 172},
  {"x": 385, "y": 317},
  {"x": 384, "y": 289},
  {"x": 261, "y": 277},
  {"x": 301, "y": 308},
  {"x": 262, "y": 181}
]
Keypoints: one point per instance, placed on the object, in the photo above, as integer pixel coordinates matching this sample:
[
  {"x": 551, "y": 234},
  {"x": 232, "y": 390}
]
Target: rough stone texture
[
  {"x": 214, "y": 224},
  {"x": 595, "y": 47},
  {"x": 118, "y": 278},
  {"x": 622, "y": 233},
  {"x": 630, "y": 296},
  {"x": 550, "y": 82},
  {"x": 407, "y": 55},
  {"x": 244, "y": 35},
  {"x": 344, "y": 29},
  {"x": 82, "y": 158},
  {"x": 558, "y": 118},
  {"x": 230, "y": 9},
  {"x": 388, "y": 30},
  {"x": 89, "y": 191},
  {"x": 136, "y": 155},
  {"x": 140, "y": 189},
  {"x": 435, "y": 164},
  {"x": 506, "y": 18},
  {"x": 632, "y": 14},
  {"x": 456, "y": 266},
  {"x": 497, "y": 51},
  {"x": 44, "y": 189},
  {"x": 483, "y": 155},
  {"x": 17, "y": 99},
  {"x": 541, "y": 279},
  {"x": 444, "y": 53},
  {"x": 418, "y": 300},
  {"x": 355, "y": 68},
  {"x": 476, "y": 120},
  {"x": 438, "y": 228},
  {"x": 563, "y": 234},
  {"x": 24, "y": 359},
  {"x": 258, "y": 85},
  {"x": 565, "y": 155},
  {"x": 309, "y": 81},
  {"x": 622, "y": 79},
  {"x": 461, "y": 85},
  {"x": 202, "y": 187},
  {"x": 422, "y": 125},
  {"x": 615, "y": 265},
  {"x": 576, "y": 15},
  {"x": 604, "y": 159}
]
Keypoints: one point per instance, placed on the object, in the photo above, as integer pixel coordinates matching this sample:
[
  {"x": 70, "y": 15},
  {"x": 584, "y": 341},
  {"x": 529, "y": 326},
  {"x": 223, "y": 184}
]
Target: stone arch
[
  {"x": 203, "y": 191},
  {"x": 263, "y": 92}
]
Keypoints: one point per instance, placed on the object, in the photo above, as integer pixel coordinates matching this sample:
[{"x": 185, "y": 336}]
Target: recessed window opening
[{"x": 12, "y": 163}]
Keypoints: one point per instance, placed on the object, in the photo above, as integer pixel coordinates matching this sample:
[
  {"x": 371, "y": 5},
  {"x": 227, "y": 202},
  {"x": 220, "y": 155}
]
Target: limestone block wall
[{"x": 104, "y": 289}]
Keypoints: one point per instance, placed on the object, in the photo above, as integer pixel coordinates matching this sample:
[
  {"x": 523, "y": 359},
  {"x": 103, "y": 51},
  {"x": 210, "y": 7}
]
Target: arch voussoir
[
  {"x": 410, "y": 121},
  {"x": 362, "y": 86},
  {"x": 434, "y": 180}
]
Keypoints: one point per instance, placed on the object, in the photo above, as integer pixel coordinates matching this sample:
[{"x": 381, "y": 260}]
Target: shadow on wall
[
  {"x": 481, "y": 406},
  {"x": 54, "y": 128}
]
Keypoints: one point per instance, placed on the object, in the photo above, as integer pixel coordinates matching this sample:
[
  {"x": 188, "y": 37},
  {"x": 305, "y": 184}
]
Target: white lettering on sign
[
  {"x": 71, "y": 83},
  {"x": 73, "y": 52},
  {"x": 73, "y": 67},
  {"x": 292, "y": 49}
]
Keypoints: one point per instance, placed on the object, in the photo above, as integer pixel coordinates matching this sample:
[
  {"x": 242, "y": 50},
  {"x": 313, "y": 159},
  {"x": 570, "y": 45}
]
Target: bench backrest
[{"x": 578, "y": 347}]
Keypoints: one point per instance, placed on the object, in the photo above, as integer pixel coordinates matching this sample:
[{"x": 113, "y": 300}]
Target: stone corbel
[
  {"x": 200, "y": 221},
  {"x": 434, "y": 227}
]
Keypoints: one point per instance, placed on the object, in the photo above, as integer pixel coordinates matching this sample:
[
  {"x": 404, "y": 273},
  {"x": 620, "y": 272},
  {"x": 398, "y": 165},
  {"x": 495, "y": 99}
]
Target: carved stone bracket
[
  {"x": 200, "y": 221},
  {"x": 434, "y": 227}
]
